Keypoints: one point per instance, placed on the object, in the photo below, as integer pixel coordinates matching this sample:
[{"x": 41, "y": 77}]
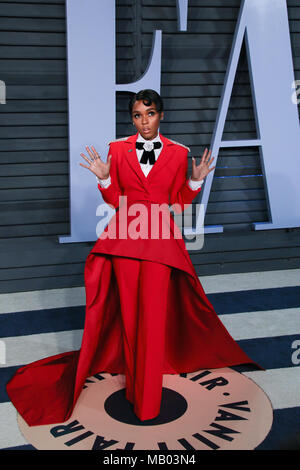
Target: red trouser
[{"x": 143, "y": 288}]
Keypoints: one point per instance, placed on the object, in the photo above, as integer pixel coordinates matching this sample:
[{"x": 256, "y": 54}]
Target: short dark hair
[{"x": 148, "y": 97}]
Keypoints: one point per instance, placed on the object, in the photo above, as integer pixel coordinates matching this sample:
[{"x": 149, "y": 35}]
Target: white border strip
[{"x": 249, "y": 281}]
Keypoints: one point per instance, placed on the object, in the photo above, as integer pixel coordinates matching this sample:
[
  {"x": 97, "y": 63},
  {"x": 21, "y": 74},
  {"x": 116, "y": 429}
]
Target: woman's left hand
[{"x": 200, "y": 171}]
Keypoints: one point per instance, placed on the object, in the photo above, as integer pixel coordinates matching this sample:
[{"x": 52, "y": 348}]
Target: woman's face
[{"x": 146, "y": 119}]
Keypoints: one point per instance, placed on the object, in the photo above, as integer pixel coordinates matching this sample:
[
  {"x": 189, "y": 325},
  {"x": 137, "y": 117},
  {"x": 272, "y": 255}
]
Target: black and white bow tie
[{"x": 148, "y": 154}]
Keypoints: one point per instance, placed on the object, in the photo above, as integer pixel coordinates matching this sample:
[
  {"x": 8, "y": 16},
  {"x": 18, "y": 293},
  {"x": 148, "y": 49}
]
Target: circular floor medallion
[{"x": 203, "y": 410}]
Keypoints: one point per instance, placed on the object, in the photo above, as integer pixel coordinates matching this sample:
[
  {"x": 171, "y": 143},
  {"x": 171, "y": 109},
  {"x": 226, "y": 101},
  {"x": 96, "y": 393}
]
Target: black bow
[{"x": 148, "y": 155}]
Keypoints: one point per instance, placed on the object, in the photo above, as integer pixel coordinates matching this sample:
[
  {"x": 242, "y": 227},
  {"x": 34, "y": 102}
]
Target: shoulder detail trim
[
  {"x": 178, "y": 143},
  {"x": 118, "y": 140}
]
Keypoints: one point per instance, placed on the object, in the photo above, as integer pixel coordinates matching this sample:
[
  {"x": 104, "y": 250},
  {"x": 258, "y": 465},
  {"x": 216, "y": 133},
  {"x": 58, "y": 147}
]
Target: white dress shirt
[{"x": 147, "y": 167}]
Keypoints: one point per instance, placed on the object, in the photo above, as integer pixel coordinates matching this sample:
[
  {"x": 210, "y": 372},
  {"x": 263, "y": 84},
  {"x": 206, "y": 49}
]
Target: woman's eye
[{"x": 136, "y": 116}]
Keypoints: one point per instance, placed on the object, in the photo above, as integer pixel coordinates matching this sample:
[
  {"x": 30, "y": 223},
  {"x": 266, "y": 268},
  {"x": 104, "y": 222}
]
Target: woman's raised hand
[
  {"x": 96, "y": 165},
  {"x": 200, "y": 171}
]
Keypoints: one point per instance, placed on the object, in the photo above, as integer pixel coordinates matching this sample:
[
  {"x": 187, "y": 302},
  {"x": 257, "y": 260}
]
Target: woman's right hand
[{"x": 96, "y": 165}]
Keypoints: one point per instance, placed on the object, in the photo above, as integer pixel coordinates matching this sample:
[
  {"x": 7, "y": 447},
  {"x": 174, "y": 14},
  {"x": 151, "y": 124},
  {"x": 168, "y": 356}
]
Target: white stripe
[
  {"x": 26, "y": 349},
  {"x": 249, "y": 281},
  {"x": 281, "y": 385},
  {"x": 10, "y": 435},
  {"x": 268, "y": 323},
  {"x": 42, "y": 299},
  {"x": 75, "y": 296}
]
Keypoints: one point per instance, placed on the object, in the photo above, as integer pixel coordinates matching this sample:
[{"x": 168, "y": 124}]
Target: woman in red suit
[{"x": 146, "y": 311}]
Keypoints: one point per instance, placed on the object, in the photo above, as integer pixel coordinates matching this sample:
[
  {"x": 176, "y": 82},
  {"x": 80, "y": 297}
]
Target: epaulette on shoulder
[
  {"x": 178, "y": 143},
  {"x": 118, "y": 140}
]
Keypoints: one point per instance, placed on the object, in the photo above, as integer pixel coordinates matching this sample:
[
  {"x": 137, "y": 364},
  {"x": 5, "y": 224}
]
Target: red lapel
[{"x": 165, "y": 157}]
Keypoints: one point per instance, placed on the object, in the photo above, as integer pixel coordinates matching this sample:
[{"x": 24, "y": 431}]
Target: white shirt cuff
[
  {"x": 194, "y": 185},
  {"x": 104, "y": 183}
]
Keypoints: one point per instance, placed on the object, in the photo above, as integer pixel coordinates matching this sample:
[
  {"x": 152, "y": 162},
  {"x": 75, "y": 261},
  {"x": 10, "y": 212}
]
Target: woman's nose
[{"x": 144, "y": 119}]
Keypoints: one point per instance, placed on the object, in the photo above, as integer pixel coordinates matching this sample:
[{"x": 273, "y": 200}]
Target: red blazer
[
  {"x": 167, "y": 183},
  {"x": 195, "y": 339}
]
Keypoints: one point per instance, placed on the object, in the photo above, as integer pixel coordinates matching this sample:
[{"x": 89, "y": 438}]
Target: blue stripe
[
  {"x": 285, "y": 431},
  {"x": 270, "y": 352},
  {"x": 24, "y": 447},
  {"x": 42, "y": 321},
  {"x": 255, "y": 300},
  {"x": 72, "y": 318}
]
